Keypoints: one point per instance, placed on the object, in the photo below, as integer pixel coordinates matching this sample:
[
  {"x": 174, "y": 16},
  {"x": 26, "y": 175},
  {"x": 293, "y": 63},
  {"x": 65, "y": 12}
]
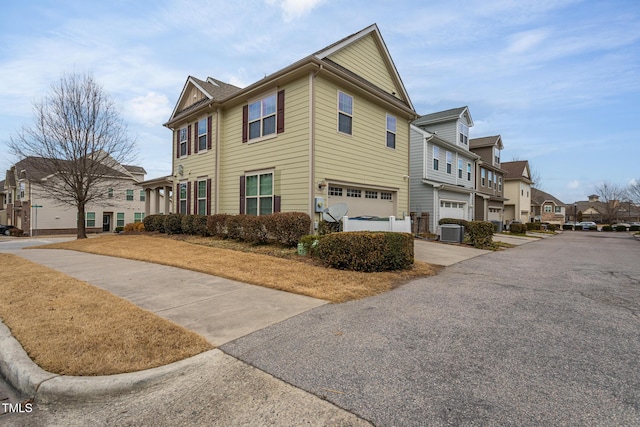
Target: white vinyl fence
[{"x": 390, "y": 224}]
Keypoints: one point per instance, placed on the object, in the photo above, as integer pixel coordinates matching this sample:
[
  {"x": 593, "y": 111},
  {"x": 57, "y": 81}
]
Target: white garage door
[
  {"x": 363, "y": 201},
  {"x": 452, "y": 209}
]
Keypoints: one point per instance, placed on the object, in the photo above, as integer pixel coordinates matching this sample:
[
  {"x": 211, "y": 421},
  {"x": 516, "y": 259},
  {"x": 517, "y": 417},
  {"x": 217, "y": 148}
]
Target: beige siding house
[
  {"x": 330, "y": 128},
  {"x": 30, "y": 207},
  {"x": 517, "y": 191}
]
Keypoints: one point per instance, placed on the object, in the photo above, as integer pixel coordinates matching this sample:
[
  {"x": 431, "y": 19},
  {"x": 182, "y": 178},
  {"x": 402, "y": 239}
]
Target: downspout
[{"x": 312, "y": 146}]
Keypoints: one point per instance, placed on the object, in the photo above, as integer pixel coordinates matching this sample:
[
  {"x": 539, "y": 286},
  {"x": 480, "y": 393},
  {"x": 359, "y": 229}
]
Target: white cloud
[
  {"x": 293, "y": 9},
  {"x": 573, "y": 185},
  {"x": 525, "y": 41},
  {"x": 152, "y": 109}
]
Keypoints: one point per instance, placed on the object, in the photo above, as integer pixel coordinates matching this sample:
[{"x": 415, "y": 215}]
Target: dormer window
[
  {"x": 463, "y": 134},
  {"x": 496, "y": 156}
]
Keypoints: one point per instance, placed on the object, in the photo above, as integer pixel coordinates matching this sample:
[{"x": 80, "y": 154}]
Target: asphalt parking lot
[{"x": 545, "y": 333}]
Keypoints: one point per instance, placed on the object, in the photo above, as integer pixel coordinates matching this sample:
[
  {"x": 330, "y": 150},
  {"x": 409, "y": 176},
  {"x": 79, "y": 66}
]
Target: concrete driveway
[{"x": 546, "y": 333}]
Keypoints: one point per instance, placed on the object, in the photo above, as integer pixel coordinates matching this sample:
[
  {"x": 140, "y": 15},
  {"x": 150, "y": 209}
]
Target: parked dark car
[{"x": 6, "y": 229}]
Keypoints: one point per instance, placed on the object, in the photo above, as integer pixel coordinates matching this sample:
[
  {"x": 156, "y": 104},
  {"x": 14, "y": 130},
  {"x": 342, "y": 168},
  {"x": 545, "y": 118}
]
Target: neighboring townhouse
[
  {"x": 489, "y": 196},
  {"x": 442, "y": 168},
  {"x": 595, "y": 210},
  {"x": 546, "y": 208},
  {"x": 330, "y": 128},
  {"x": 31, "y": 208},
  {"x": 3, "y": 203},
  {"x": 517, "y": 191}
]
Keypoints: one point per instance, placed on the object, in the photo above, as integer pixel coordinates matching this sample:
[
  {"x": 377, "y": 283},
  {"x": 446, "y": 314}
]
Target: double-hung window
[
  {"x": 499, "y": 183},
  {"x": 468, "y": 171},
  {"x": 183, "y": 197},
  {"x": 449, "y": 161},
  {"x": 483, "y": 176},
  {"x": 463, "y": 132},
  {"x": 345, "y": 113},
  {"x": 460, "y": 163},
  {"x": 143, "y": 196},
  {"x": 130, "y": 195},
  {"x": 490, "y": 179},
  {"x": 138, "y": 216},
  {"x": 120, "y": 219},
  {"x": 391, "y": 131},
  {"x": 202, "y": 197},
  {"x": 436, "y": 157},
  {"x": 262, "y": 117},
  {"x": 183, "y": 141},
  {"x": 110, "y": 193},
  {"x": 259, "y": 194},
  {"x": 91, "y": 219},
  {"x": 202, "y": 134}
]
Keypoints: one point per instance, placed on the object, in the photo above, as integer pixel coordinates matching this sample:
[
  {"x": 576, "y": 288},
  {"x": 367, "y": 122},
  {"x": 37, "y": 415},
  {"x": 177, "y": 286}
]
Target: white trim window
[
  {"x": 182, "y": 197},
  {"x": 202, "y": 134},
  {"x": 449, "y": 161},
  {"x": 490, "y": 178},
  {"x": 468, "y": 171},
  {"x": 262, "y": 117},
  {"x": 138, "y": 216},
  {"x": 463, "y": 134},
  {"x": 547, "y": 208},
  {"x": 499, "y": 183},
  {"x": 120, "y": 219},
  {"x": 391, "y": 131},
  {"x": 259, "y": 194},
  {"x": 183, "y": 141},
  {"x": 460, "y": 164},
  {"x": 345, "y": 113},
  {"x": 483, "y": 175},
  {"x": 91, "y": 219},
  {"x": 143, "y": 195},
  {"x": 384, "y": 195},
  {"x": 436, "y": 158},
  {"x": 202, "y": 197},
  {"x": 129, "y": 195}
]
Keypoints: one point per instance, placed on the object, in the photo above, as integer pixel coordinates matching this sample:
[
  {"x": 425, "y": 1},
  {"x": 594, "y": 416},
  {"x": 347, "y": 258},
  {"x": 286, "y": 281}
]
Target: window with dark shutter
[
  {"x": 188, "y": 212},
  {"x": 277, "y": 201},
  {"x": 178, "y": 143},
  {"x": 242, "y": 194},
  {"x": 245, "y": 123},
  {"x": 195, "y": 132},
  {"x": 280, "y": 124},
  {"x": 189, "y": 140},
  {"x": 209, "y": 119},
  {"x": 209, "y": 190}
]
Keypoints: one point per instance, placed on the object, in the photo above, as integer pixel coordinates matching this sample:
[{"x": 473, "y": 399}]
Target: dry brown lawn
[
  {"x": 72, "y": 328},
  {"x": 279, "y": 269}
]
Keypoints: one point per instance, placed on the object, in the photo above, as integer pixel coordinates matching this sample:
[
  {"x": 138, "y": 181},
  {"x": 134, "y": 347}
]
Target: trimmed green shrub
[
  {"x": 533, "y": 226},
  {"x": 310, "y": 243},
  {"x": 234, "y": 227},
  {"x": 367, "y": 251},
  {"x": 186, "y": 224},
  {"x": 634, "y": 228},
  {"x": 173, "y": 223},
  {"x": 567, "y": 227},
  {"x": 480, "y": 233},
  {"x": 457, "y": 221},
  {"x": 154, "y": 223},
  {"x": 326, "y": 227},
  {"x": 253, "y": 229},
  {"x": 516, "y": 228},
  {"x": 199, "y": 225},
  {"x": 620, "y": 228},
  {"x": 217, "y": 225},
  {"x": 287, "y": 228},
  {"x": 607, "y": 228},
  {"x": 552, "y": 227}
]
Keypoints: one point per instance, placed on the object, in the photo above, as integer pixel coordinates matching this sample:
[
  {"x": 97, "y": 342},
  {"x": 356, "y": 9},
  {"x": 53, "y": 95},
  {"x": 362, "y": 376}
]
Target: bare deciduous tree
[
  {"x": 634, "y": 191},
  {"x": 77, "y": 141},
  {"x": 611, "y": 196}
]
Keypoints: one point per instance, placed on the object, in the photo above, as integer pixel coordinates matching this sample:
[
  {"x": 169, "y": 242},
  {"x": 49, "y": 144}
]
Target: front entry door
[{"x": 106, "y": 222}]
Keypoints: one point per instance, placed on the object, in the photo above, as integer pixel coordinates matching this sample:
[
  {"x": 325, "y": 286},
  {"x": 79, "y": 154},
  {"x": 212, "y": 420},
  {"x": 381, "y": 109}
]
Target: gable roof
[
  {"x": 216, "y": 91},
  {"x": 517, "y": 170},
  {"x": 486, "y": 141},
  {"x": 37, "y": 168},
  {"x": 443, "y": 116},
  {"x": 538, "y": 197}
]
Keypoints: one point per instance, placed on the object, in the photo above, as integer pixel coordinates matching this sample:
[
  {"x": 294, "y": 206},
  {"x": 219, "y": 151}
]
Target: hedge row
[
  {"x": 476, "y": 233},
  {"x": 285, "y": 228},
  {"x": 366, "y": 251},
  {"x": 516, "y": 228}
]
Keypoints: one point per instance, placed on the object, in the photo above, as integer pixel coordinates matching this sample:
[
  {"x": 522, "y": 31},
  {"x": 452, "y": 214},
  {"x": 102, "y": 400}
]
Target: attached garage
[
  {"x": 364, "y": 201},
  {"x": 450, "y": 209}
]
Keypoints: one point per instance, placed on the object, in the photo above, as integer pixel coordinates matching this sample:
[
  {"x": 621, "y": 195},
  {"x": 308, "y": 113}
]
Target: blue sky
[{"x": 558, "y": 79}]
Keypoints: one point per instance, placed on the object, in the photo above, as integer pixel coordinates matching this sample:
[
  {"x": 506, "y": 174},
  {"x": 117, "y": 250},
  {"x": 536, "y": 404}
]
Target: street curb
[{"x": 46, "y": 387}]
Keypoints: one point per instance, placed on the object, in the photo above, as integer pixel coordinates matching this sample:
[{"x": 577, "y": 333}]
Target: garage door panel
[{"x": 363, "y": 202}]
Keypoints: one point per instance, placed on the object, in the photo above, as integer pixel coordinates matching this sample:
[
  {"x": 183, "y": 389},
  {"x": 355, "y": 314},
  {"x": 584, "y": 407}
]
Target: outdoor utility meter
[{"x": 319, "y": 204}]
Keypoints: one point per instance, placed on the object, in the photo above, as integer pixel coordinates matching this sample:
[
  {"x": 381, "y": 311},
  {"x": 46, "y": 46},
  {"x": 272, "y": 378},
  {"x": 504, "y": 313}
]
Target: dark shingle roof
[
  {"x": 514, "y": 170},
  {"x": 440, "y": 116},
  {"x": 37, "y": 168},
  {"x": 538, "y": 197},
  {"x": 217, "y": 89},
  {"x": 135, "y": 169},
  {"x": 486, "y": 141}
]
